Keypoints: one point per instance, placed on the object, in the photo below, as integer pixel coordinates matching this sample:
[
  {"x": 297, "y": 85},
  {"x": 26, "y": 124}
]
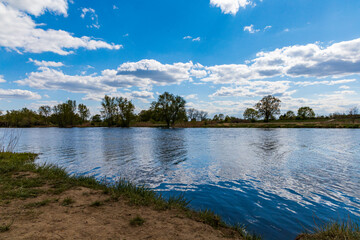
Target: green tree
[
  {"x": 251, "y": 114},
  {"x": 109, "y": 110},
  {"x": 145, "y": 115},
  {"x": 169, "y": 108},
  {"x": 125, "y": 111},
  {"x": 65, "y": 113},
  {"x": 45, "y": 112},
  {"x": 306, "y": 113},
  {"x": 96, "y": 118},
  {"x": 84, "y": 112},
  {"x": 268, "y": 106}
]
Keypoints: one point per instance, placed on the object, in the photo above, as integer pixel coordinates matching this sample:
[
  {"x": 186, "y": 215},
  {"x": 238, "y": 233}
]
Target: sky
[{"x": 222, "y": 56}]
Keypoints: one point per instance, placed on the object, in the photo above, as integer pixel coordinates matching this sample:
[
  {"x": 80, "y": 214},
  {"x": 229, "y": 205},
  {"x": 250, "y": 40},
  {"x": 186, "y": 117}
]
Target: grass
[
  {"x": 67, "y": 201},
  {"x": 137, "y": 221},
  {"x": 334, "y": 230},
  {"x": 5, "y": 227},
  {"x": 96, "y": 204},
  {"x": 38, "y": 204}
]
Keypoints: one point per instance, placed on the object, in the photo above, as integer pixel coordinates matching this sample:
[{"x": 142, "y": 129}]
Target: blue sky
[{"x": 222, "y": 56}]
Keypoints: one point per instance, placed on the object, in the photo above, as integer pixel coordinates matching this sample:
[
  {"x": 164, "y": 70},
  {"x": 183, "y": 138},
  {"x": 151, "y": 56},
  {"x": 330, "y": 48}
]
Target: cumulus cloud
[
  {"x": 38, "y": 7},
  {"x": 19, "y": 32},
  {"x": 196, "y": 39},
  {"x": 311, "y": 60},
  {"x": 143, "y": 74},
  {"x": 46, "y": 63},
  {"x": 251, "y": 29},
  {"x": 142, "y": 94},
  {"x": 256, "y": 88},
  {"x": 230, "y": 6},
  {"x": 18, "y": 94}
]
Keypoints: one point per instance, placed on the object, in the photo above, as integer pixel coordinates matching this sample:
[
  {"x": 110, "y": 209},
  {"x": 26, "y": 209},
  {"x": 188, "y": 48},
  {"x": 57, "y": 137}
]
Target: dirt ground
[{"x": 80, "y": 220}]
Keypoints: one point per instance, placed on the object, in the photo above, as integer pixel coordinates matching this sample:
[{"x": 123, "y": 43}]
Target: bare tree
[{"x": 353, "y": 113}]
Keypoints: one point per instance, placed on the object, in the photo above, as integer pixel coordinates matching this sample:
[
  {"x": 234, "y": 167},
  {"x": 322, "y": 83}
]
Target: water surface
[{"x": 275, "y": 181}]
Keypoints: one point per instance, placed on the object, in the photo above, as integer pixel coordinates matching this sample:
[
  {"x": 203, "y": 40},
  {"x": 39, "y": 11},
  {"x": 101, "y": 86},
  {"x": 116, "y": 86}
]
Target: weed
[
  {"x": 137, "y": 221},
  {"x": 67, "y": 201},
  {"x": 96, "y": 204},
  {"x": 38, "y": 204}
]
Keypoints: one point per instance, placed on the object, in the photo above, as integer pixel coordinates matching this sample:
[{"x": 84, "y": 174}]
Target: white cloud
[
  {"x": 46, "y": 63},
  {"x": 311, "y": 60},
  {"x": 191, "y": 96},
  {"x": 20, "y": 33},
  {"x": 251, "y": 29},
  {"x": 256, "y": 88},
  {"x": 187, "y": 37},
  {"x": 267, "y": 27},
  {"x": 196, "y": 39},
  {"x": 330, "y": 83},
  {"x": 93, "y": 16},
  {"x": 18, "y": 94},
  {"x": 142, "y": 94},
  {"x": 230, "y": 6},
  {"x": 143, "y": 74},
  {"x": 2, "y": 80},
  {"x": 344, "y": 87},
  {"x": 38, "y": 7}
]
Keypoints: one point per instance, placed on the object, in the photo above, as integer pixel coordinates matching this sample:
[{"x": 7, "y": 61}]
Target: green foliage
[
  {"x": 125, "y": 110},
  {"x": 169, "y": 108},
  {"x": 268, "y": 107},
  {"x": 289, "y": 115},
  {"x": 109, "y": 109},
  {"x": 306, "y": 113},
  {"x": 84, "y": 112},
  {"x": 251, "y": 114},
  {"x": 65, "y": 113},
  {"x": 68, "y": 201}
]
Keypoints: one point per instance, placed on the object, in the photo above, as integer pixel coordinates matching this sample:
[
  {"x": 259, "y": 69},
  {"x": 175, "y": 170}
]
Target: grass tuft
[
  {"x": 67, "y": 201},
  {"x": 137, "y": 221},
  {"x": 339, "y": 230},
  {"x": 5, "y": 227},
  {"x": 96, "y": 204},
  {"x": 38, "y": 204}
]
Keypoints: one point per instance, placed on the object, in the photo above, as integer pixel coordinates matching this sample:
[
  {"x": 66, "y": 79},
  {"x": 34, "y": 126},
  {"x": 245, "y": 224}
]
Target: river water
[{"x": 275, "y": 181}]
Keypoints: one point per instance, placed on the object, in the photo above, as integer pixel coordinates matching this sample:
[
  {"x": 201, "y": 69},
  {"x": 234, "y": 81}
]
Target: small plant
[
  {"x": 67, "y": 201},
  {"x": 347, "y": 230},
  {"x": 96, "y": 204},
  {"x": 137, "y": 221},
  {"x": 38, "y": 204},
  {"x": 5, "y": 227}
]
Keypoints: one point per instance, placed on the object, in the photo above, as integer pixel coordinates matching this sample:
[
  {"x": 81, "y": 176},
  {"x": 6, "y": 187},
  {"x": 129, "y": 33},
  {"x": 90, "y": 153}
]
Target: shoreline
[
  {"x": 43, "y": 201},
  {"x": 275, "y": 124}
]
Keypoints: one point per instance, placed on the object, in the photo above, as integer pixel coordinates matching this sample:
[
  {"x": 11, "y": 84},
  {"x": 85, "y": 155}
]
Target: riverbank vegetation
[
  {"x": 170, "y": 110},
  {"x": 36, "y": 199}
]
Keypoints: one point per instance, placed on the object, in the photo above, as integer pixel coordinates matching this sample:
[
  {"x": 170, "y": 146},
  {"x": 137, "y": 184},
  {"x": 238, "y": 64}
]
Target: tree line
[{"x": 168, "y": 109}]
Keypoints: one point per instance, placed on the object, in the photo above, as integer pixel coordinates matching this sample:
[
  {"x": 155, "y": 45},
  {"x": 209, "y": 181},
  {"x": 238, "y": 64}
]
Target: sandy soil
[{"x": 79, "y": 220}]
